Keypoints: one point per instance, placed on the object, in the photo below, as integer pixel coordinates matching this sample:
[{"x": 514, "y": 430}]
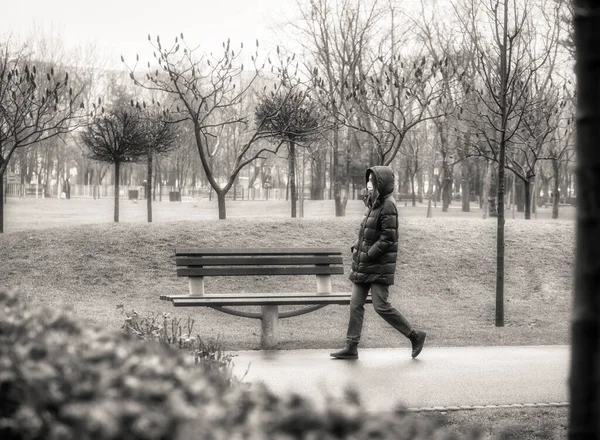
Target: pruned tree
[
  {"x": 117, "y": 137},
  {"x": 206, "y": 90},
  {"x": 584, "y": 391},
  {"x": 500, "y": 96},
  {"x": 37, "y": 103},
  {"x": 292, "y": 117}
]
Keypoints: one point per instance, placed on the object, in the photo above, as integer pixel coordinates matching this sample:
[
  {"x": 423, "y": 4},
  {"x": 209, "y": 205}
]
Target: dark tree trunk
[
  {"x": 584, "y": 383},
  {"x": 2, "y": 201},
  {"x": 520, "y": 195},
  {"x": 221, "y": 203},
  {"x": 292, "y": 176},
  {"x": 117, "y": 175},
  {"x": 528, "y": 193},
  {"x": 556, "y": 169},
  {"x": 446, "y": 193},
  {"x": 340, "y": 207},
  {"x": 465, "y": 186},
  {"x": 149, "y": 186},
  {"x": 412, "y": 189},
  {"x": 501, "y": 183},
  {"x": 332, "y": 175},
  {"x": 317, "y": 188},
  {"x": 421, "y": 184}
]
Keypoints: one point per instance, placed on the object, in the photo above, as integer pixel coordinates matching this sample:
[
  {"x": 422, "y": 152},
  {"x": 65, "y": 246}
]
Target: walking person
[{"x": 374, "y": 264}]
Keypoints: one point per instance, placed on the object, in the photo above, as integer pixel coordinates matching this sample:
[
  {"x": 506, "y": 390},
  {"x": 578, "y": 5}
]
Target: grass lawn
[
  {"x": 31, "y": 213},
  {"x": 445, "y": 282},
  {"x": 513, "y": 424}
]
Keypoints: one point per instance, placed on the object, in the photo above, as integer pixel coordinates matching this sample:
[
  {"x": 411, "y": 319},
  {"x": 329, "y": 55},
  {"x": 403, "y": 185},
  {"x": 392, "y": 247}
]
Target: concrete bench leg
[{"x": 269, "y": 337}]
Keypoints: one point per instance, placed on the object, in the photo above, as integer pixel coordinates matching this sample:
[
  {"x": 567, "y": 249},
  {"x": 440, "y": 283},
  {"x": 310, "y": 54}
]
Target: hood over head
[{"x": 384, "y": 180}]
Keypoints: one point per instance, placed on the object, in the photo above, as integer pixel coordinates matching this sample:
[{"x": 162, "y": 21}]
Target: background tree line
[{"x": 417, "y": 90}]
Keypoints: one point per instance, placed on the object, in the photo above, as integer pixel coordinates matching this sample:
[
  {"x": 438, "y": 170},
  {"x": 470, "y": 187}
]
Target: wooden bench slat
[
  {"x": 257, "y": 260},
  {"x": 256, "y": 251},
  {"x": 257, "y": 295},
  {"x": 245, "y": 271},
  {"x": 262, "y": 301}
]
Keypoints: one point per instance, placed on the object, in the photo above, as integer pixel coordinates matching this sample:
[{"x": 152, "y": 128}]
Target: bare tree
[
  {"x": 207, "y": 91},
  {"x": 455, "y": 56},
  {"x": 505, "y": 68},
  {"x": 336, "y": 35},
  {"x": 36, "y": 103}
]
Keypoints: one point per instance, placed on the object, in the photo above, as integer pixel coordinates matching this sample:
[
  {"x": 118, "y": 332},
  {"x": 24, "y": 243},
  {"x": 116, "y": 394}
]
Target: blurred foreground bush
[
  {"x": 61, "y": 378},
  {"x": 177, "y": 334}
]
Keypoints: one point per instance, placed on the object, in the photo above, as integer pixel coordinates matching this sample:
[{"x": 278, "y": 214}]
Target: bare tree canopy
[{"x": 37, "y": 102}]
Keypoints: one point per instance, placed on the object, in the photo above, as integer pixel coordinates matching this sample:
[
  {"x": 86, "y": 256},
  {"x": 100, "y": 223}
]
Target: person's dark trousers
[{"x": 379, "y": 293}]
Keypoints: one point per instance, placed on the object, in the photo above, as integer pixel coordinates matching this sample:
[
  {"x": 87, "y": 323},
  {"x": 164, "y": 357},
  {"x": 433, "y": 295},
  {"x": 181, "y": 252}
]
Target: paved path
[{"x": 439, "y": 377}]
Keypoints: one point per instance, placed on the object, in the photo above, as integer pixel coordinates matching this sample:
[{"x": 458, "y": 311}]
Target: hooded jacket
[{"x": 377, "y": 246}]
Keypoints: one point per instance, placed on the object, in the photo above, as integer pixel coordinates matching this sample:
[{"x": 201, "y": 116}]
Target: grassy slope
[
  {"x": 445, "y": 281},
  {"x": 514, "y": 423}
]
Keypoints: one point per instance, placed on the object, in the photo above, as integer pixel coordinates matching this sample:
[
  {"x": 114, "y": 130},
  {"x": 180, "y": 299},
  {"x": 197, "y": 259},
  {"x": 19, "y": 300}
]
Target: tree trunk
[
  {"x": 412, "y": 189},
  {"x": 292, "y": 175},
  {"x": 337, "y": 179},
  {"x": 556, "y": 169},
  {"x": 149, "y": 187},
  {"x": 528, "y": 193},
  {"x": 318, "y": 175},
  {"x": 421, "y": 184},
  {"x": 160, "y": 180},
  {"x": 520, "y": 195},
  {"x": 446, "y": 193},
  {"x": 2, "y": 201},
  {"x": 430, "y": 193},
  {"x": 501, "y": 160},
  {"x": 117, "y": 175},
  {"x": 301, "y": 197},
  {"x": 221, "y": 203},
  {"x": 584, "y": 381},
  {"x": 465, "y": 187},
  {"x": 534, "y": 196},
  {"x": 514, "y": 193},
  {"x": 486, "y": 188}
]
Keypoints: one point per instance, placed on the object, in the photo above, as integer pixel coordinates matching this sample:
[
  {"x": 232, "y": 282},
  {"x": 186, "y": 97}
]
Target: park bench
[
  {"x": 196, "y": 264},
  {"x": 31, "y": 190}
]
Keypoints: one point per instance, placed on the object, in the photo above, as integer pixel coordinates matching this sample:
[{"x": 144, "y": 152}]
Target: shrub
[
  {"x": 170, "y": 331},
  {"x": 63, "y": 379}
]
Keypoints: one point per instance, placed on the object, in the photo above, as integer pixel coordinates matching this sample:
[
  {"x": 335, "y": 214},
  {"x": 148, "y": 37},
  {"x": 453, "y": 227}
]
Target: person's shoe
[
  {"x": 417, "y": 338},
  {"x": 350, "y": 351}
]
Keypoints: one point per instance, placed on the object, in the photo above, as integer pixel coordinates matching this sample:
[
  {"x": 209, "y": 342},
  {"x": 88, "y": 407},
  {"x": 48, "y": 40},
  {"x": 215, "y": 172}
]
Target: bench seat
[
  {"x": 260, "y": 300},
  {"x": 322, "y": 263}
]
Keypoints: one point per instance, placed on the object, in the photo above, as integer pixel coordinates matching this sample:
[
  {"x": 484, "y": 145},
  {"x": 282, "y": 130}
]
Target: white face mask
[{"x": 369, "y": 186}]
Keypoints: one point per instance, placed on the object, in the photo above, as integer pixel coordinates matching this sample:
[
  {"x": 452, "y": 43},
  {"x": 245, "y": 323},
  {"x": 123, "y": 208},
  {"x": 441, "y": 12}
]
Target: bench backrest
[{"x": 201, "y": 262}]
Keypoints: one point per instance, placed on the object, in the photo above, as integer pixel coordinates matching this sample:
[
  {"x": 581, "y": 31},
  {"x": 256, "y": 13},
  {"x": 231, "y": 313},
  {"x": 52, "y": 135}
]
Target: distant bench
[
  {"x": 31, "y": 190},
  {"x": 199, "y": 263}
]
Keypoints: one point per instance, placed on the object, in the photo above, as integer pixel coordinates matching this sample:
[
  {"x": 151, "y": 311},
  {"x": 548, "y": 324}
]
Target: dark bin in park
[
  {"x": 133, "y": 194},
  {"x": 174, "y": 196}
]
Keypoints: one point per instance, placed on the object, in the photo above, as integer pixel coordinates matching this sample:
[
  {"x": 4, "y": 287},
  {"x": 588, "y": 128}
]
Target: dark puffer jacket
[{"x": 377, "y": 244}]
